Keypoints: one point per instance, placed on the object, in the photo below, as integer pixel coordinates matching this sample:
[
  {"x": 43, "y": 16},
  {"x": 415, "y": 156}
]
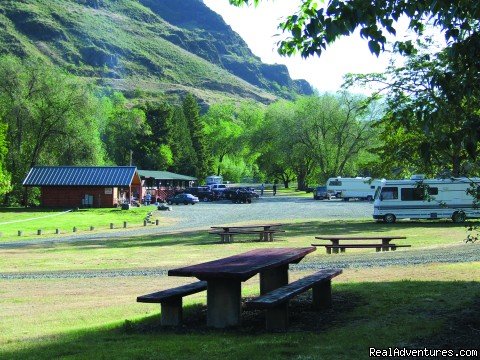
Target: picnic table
[
  {"x": 224, "y": 278},
  {"x": 335, "y": 245},
  {"x": 265, "y": 231}
]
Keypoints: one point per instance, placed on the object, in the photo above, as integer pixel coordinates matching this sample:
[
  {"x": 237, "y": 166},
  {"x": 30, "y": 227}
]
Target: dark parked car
[
  {"x": 183, "y": 198},
  {"x": 321, "y": 193},
  {"x": 204, "y": 193},
  {"x": 242, "y": 195}
]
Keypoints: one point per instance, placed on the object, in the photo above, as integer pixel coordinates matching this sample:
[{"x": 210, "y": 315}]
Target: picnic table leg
[
  {"x": 385, "y": 243},
  {"x": 335, "y": 243},
  {"x": 171, "y": 312},
  {"x": 223, "y": 303},
  {"x": 272, "y": 279},
  {"x": 322, "y": 295}
]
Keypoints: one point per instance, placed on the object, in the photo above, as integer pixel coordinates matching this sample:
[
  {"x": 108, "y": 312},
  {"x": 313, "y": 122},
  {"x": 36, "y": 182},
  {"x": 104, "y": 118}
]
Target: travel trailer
[
  {"x": 353, "y": 188},
  {"x": 419, "y": 198}
]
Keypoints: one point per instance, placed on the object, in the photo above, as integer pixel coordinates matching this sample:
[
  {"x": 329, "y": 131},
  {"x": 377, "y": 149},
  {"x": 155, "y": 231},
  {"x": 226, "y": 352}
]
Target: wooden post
[
  {"x": 144, "y": 222},
  {"x": 111, "y": 225},
  {"x": 19, "y": 232},
  {"x": 124, "y": 224},
  {"x": 57, "y": 231},
  {"x": 74, "y": 229},
  {"x": 92, "y": 228},
  {"x": 39, "y": 232},
  {"x": 157, "y": 222}
]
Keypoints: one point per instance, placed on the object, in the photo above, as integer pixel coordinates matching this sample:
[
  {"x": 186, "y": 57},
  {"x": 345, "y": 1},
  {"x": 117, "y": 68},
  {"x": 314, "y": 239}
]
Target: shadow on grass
[{"x": 390, "y": 314}]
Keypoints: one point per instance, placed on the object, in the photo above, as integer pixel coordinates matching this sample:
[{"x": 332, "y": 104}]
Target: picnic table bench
[
  {"x": 276, "y": 302},
  {"x": 171, "y": 301},
  {"x": 335, "y": 245},
  {"x": 265, "y": 232}
]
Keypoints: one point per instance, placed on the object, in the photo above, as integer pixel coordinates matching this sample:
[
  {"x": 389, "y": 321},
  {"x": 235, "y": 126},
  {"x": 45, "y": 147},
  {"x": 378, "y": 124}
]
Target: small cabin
[{"x": 85, "y": 186}]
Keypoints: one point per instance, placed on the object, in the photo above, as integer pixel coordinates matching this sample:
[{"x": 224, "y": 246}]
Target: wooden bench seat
[
  {"x": 171, "y": 301},
  {"x": 276, "y": 302},
  {"x": 227, "y": 236},
  {"x": 378, "y": 247}
]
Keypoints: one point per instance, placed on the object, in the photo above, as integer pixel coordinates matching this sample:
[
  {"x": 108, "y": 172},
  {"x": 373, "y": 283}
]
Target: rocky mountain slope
[{"x": 144, "y": 47}]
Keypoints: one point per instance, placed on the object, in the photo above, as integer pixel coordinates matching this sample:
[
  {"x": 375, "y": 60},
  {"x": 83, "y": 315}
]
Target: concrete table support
[
  {"x": 322, "y": 295},
  {"x": 277, "y": 318},
  {"x": 273, "y": 278},
  {"x": 223, "y": 303},
  {"x": 171, "y": 312}
]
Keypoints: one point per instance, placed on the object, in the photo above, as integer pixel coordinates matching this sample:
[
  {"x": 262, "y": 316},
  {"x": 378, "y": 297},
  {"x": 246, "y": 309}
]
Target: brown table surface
[
  {"x": 245, "y": 226},
  {"x": 359, "y": 237},
  {"x": 243, "y": 266}
]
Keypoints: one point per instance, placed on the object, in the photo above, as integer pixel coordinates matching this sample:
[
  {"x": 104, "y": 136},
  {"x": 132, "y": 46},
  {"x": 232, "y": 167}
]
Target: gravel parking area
[{"x": 206, "y": 214}]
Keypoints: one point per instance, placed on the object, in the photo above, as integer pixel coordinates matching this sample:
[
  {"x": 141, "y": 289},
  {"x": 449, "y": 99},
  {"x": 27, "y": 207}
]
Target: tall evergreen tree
[
  {"x": 184, "y": 157},
  {"x": 199, "y": 141}
]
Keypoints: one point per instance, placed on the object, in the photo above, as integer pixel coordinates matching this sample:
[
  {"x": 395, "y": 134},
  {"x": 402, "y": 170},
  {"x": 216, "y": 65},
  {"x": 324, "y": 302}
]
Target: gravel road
[
  {"x": 206, "y": 214},
  {"x": 451, "y": 254}
]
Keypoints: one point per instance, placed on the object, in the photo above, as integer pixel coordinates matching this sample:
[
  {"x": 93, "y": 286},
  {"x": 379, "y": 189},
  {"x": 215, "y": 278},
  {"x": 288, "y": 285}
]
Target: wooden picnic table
[
  {"x": 224, "y": 278},
  {"x": 266, "y": 234},
  {"x": 335, "y": 241}
]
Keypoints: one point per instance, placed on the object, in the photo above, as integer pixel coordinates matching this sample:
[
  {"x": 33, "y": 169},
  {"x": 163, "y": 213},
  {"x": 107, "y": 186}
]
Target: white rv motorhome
[
  {"x": 349, "y": 188},
  {"x": 407, "y": 199}
]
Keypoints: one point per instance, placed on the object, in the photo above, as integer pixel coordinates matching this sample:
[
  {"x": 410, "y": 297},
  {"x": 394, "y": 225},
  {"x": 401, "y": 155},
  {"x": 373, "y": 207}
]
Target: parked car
[
  {"x": 204, "y": 193},
  {"x": 241, "y": 195},
  {"x": 182, "y": 198},
  {"x": 321, "y": 193}
]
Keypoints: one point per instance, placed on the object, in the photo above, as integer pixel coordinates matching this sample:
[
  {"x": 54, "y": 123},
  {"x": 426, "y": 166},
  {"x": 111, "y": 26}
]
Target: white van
[
  {"x": 349, "y": 188},
  {"x": 417, "y": 198}
]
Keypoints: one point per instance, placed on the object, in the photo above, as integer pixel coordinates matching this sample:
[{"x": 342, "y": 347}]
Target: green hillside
[{"x": 147, "y": 47}]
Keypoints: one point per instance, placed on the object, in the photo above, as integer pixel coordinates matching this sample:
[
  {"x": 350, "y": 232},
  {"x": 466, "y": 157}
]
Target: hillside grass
[{"x": 122, "y": 40}]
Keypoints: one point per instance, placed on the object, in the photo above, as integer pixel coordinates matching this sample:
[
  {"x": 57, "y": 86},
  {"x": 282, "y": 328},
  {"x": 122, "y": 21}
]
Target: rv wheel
[
  {"x": 458, "y": 217},
  {"x": 389, "y": 218}
]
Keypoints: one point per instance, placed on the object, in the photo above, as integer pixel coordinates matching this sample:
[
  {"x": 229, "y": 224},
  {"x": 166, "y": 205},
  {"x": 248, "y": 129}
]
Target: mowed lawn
[
  {"x": 48, "y": 220},
  {"x": 96, "y": 316}
]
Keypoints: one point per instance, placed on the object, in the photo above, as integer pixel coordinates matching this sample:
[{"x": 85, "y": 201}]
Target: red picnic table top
[{"x": 243, "y": 266}]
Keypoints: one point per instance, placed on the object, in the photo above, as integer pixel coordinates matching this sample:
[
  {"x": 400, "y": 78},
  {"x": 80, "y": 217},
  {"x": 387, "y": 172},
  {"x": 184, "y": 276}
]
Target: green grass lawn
[
  {"x": 434, "y": 305},
  {"x": 30, "y": 220}
]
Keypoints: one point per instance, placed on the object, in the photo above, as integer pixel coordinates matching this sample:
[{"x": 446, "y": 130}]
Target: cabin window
[
  {"x": 432, "y": 191},
  {"x": 389, "y": 193},
  {"x": 335, "y": 183}
]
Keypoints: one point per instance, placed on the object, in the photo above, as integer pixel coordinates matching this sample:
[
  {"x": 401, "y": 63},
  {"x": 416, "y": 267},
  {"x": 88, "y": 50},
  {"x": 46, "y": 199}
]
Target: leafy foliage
[
  {"x": 313, "y": 28},
  {"x": 191, "y": 111},
  {"x": 51, "y": 119}
]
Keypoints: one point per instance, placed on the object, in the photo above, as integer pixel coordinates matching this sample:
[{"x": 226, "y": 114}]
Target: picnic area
[{"x": 191, "y": 294}]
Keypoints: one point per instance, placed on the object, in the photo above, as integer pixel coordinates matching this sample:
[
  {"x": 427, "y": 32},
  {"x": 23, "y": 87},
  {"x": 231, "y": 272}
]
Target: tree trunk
[{"x": 301, "y": 181}]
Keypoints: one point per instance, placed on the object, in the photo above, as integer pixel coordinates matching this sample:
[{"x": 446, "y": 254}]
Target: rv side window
[
  {"x": 389, "y": 193},
  {"x": 433, "y": 191},
  {"x": 412, "y": 194},
  {"x": 335, "y": 183}
]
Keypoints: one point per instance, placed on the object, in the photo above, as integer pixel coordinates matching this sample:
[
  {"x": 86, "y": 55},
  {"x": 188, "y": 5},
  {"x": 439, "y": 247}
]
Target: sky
[{"x": 258, "y": 27}]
